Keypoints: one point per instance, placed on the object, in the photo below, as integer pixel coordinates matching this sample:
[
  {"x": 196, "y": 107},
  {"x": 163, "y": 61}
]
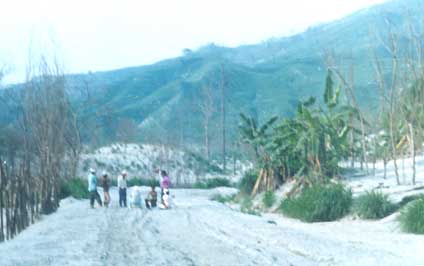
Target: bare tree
[
  {"x": 42, "y": 147},
  {"x": 347, "y": 80},
  {"x": 207, "y": 109},
  {"x": 412, "y": 82},
  {"x": 223, "y": 87},
  {"x": 391, "y": 46}
]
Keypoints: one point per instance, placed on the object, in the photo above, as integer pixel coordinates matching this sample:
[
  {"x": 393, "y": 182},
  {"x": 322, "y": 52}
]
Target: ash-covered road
[{"x": 198, "y": 231}]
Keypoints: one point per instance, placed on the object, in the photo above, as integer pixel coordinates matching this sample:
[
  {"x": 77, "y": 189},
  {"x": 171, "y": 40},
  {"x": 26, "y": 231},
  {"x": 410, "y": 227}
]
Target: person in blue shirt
[{"x": 92, "y": 188}]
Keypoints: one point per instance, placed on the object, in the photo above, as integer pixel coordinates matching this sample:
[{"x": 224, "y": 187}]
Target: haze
[{"x": 101, "y": 35}]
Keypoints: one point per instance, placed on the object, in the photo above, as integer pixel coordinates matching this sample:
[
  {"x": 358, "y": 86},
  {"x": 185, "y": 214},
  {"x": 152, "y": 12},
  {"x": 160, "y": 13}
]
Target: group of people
[{"x": 105, "y": 183}]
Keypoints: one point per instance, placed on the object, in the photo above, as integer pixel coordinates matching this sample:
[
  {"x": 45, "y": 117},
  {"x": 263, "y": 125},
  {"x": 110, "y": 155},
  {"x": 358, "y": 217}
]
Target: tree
[
  {"x": 258, "y": 137},
  {"x": 391, "y": 46},
  {"x": 348, "y": 84},
  {"x": 207, "y": 109},
  {"x": 310, "y": 145},
  {"x": 223, "y": 83},
  {"x": 38, "y": 146}
]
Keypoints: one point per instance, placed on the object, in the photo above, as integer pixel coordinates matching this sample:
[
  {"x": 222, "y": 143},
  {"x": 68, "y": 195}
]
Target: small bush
[
  {"x": 247, "y": 207},
  {"x": 76, "y": 187},
  {"x": 269, "y": 198},
  {"x": 374, "y": 205},
  {"x": 203, "y": 164},
  {"x": 319, "y": 203},
  {"x": 248, "y": 181},
  {"x": 407, "y": 199},
  {"x": 212, "y": 183},
  {"x": 223, "y": 199},
  {"x": 412, "y": 217},
  {"x": 142, "y": 182}
]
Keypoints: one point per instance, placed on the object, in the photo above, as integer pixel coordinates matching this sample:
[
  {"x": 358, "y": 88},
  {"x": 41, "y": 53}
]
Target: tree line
[
  {"x": 39, "y": 148},
  {"x": 311, "y": 145}
]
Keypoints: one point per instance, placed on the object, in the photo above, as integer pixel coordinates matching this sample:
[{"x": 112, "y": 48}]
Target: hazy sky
[{"x": 109, "y": 34}]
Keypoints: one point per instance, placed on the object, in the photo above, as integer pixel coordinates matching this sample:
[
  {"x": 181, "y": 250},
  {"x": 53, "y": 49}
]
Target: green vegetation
[
  {"x": 407, "y": 199},
  {"x": 213, "y": 183},
  {"x": 142, "y": 182},
  {"x": 248, "y": 181},
  {"x": 268, "y": 198},
  {"x": 319, "y": 203},
  {"x": 75, "y": 187},
  {"x": 275, "y": 84},
  {"x": 412, "y": 217},
  {"x": 246, "y": 206},
  {"x": 202, "y": 165},
  {"x": 223, "y": 199},
  {"x": 310, "y": 144},
  {"x": 374, "y": 205}
]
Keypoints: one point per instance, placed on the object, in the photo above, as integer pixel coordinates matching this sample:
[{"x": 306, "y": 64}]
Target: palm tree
[{"x": 258, "y": 137}]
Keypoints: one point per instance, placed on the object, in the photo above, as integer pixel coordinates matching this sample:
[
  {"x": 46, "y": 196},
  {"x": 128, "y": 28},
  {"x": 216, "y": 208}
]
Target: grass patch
[
  {"x": 407, "y": 199},
  {"x": 374, "y": 205},
  {"x": 203, "y": 164},
  {"x": 412, "y": 217},
  {"x": 248, "y": 181},
  {"x": 76, "y": 187},
  {"x": 319, "y": 203},
  {"x": 269, "y": 198},
  {"x": 247, "y": 207},
  {"x": 142, "y": 182},
  {"x": 212, "y": 183},
  {"x": 223, "y": 199}
]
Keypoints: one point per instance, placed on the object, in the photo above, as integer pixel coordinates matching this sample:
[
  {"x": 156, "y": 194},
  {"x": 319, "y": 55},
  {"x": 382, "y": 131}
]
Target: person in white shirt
[{"x": 122, "y": 186}]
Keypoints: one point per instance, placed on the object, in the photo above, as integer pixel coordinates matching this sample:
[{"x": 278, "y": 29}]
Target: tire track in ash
[
  {"x": 119, "y": 245},
  {"x": 242, "y": 239},
  {"x": 161, "y": 246}
]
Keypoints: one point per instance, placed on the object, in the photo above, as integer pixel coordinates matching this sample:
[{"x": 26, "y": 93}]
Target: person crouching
[{"x": 152, "y": 198}]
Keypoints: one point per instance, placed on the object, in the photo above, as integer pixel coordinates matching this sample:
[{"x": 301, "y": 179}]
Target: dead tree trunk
[
  {"x": 223, "y": 85},
  {"x": 412, "y": 146}
]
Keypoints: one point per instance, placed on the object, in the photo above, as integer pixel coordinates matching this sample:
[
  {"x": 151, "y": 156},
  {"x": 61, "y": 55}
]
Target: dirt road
[{"x": 201, "y": 232}]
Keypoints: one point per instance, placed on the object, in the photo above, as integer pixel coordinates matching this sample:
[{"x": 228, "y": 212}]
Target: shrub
[
  {"x": 407, "y": 199},
  {"x": 412, "y": 217},
  {"x": 247, "y": 207},
  {"x": 374, "y": 205},
  {"x": 203, "y": 164},
  {"x": 75, "y": 187},
  {"x": 222, "y": 199},
  {"x": 212, "y": 183},
  {"x": 269, "y": 198},
  {"x": 248, "y": 181},
  {"x": 319, "y": 203},
  {"x": 142, "y": 182}
]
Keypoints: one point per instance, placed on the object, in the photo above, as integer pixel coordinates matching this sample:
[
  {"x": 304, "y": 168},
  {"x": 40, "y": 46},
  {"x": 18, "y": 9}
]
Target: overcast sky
[{"x": 102, "y": 35}]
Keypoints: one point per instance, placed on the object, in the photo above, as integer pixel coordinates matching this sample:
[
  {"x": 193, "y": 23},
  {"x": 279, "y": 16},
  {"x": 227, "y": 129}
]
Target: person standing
[
  {"x": 164, "y": 184},
  {"x": 92, "y": 188},
  {"x": 122, "y": 185},
  {"x": 106, "y": 186}
]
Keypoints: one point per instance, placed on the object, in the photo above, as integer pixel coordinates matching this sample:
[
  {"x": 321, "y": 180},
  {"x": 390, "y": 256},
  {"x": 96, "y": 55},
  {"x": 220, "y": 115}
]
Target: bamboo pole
[{"x": 258, "y": 181}]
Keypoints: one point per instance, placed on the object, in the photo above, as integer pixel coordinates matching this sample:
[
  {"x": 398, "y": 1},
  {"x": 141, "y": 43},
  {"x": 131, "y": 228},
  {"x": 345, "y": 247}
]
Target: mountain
[{"x": 160, "y": 102}]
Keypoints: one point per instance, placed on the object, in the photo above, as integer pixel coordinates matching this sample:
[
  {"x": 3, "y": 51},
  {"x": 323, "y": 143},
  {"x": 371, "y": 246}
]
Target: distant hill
[{"x": 160, "y": 102}]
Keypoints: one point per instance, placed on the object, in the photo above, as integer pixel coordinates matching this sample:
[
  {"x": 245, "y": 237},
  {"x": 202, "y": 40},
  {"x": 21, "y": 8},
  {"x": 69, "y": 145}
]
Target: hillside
[
  {"x": 160, "y": 102},
  {"x": 140, "y": 161}
]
